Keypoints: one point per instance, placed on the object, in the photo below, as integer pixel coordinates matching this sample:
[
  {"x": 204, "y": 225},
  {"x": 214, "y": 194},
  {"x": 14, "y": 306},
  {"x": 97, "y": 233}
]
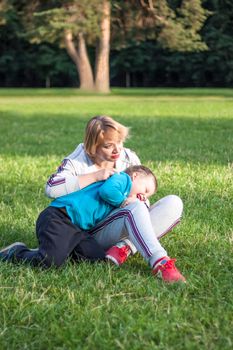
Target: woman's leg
[
  {"x": 132, "y": 222},
  {"x": 166, "y": 214}
]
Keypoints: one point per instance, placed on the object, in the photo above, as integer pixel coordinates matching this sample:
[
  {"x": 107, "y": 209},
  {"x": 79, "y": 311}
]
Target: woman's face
[{"x": 111, "y": 147}]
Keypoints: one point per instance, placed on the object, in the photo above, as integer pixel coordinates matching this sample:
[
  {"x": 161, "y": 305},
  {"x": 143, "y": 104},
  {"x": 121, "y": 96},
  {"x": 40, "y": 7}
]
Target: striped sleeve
[{"x": 62, "y": 182}]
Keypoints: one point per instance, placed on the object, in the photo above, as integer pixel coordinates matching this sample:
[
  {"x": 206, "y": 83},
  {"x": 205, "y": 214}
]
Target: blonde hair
[{"x": 96, "y": 129}]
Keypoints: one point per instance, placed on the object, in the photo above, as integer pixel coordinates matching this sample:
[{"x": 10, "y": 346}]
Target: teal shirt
[{"x": 93, "y": 203}]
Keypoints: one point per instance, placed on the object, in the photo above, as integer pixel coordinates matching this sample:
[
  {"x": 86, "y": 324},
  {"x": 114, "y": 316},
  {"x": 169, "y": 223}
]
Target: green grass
[
  {"x": 189, "y": 92},
  {"x": 185, "y": 136}
]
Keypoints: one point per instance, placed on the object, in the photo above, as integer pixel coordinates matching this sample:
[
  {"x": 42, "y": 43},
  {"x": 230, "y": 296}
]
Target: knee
[
  {"x": 137, "y": 206},
  {"x": 89, "y": 249},
  {"x": 174, "y": 203},
  {"x": 137, "y": 209},
  {"x": 54, "y": 261}
]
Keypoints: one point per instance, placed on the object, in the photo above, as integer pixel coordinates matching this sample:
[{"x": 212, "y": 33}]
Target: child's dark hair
[{"x": 142, "y": 170}]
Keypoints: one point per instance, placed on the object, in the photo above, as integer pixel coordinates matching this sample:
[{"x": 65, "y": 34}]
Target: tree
[
  {"x": 174, "y": 24},
  {"x": 77, "y": 24},
  {"x": 4, "y": 8},
  {"x": 218, "y": 33},
  {"x": 79, "y": 53},
  {"x": 141, "y": 34}
]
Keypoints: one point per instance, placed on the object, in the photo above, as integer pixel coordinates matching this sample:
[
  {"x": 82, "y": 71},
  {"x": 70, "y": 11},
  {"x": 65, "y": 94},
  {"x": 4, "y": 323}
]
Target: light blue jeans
[{"x": 142, "y": 227}]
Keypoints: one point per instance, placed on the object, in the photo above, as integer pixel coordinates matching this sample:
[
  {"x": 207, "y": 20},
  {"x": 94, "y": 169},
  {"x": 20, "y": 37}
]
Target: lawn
[{"x": 186, "y": 137}]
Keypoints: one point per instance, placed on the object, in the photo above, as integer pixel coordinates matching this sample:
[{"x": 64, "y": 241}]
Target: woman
[{"x": 129, "y": 229}]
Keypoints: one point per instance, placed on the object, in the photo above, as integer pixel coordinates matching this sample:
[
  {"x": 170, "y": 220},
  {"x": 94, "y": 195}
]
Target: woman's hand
[
  {"x": 103, "y": 174},
  {"x": 90, "y": 178}
]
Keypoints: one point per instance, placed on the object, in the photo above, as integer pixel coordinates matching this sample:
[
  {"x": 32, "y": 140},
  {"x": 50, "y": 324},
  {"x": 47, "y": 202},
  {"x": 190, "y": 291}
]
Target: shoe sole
[
  {"x": 109, "y": 257},
  {"x": 12, "y": 245}
]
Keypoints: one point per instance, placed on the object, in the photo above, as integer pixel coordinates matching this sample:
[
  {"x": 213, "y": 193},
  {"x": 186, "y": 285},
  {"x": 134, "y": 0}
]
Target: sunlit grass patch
[{"x": 185, "y": 136}]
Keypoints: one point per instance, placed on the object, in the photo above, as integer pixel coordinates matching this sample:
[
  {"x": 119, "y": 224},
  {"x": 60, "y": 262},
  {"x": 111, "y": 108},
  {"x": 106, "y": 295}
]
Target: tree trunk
[
  {"x": 102, "y": 51},
  {"x": 47, "y": 82},
  {"x": 81, "y": 60},
  {"x": 127, "y": 79}
]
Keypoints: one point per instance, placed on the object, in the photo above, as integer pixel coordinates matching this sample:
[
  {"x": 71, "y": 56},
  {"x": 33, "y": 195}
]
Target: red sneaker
[
  {"x": 119, "y": 253},
  {"x": 165, "y": 268}
]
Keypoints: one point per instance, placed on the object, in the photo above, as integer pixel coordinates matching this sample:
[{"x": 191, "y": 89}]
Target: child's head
[
  {"x": 144, "y": 182},
  {"x": 101, "y": 132}
]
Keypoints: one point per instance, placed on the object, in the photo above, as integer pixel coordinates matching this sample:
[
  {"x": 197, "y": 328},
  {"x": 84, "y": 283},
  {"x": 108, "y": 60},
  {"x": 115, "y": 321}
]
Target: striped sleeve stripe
[
  {"x": 62, "y": 166},
  {"x": 57, "y": 182}
]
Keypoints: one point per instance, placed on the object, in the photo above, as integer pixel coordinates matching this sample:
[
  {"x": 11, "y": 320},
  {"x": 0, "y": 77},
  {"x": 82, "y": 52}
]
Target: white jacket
[{"x": 65, "y": 180}]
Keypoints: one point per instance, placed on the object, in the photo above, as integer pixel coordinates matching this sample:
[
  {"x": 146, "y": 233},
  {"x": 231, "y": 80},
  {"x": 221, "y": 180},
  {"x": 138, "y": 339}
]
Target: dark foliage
[{"x": 139, "y": 63}]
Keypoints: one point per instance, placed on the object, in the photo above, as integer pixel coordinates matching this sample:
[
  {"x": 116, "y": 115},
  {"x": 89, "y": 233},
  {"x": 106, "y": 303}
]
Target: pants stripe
[
  {"x": 169, "y": 228},
  {"x": 130, "y": 219},
  {"x": 108, "y": 220},
  {"x": 137, "y": 234}
]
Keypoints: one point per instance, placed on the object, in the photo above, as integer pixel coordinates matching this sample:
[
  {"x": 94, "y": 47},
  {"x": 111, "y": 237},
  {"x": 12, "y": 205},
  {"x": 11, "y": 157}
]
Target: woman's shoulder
[
  {"x": 127, "y": 158},
  {"x": 79, "y": 152},
  {"x": 80, "y": 155},
  {"x": 79, "y": 159},
  {"x": 131, "y": 156}
]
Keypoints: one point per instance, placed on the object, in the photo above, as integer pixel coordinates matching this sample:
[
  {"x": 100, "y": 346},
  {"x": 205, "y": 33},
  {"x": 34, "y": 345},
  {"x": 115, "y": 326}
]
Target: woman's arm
[
  {"x": 74, "y": 172},
  {"x": 66, "y": 180},
  {"x": 100, "y": 175}
]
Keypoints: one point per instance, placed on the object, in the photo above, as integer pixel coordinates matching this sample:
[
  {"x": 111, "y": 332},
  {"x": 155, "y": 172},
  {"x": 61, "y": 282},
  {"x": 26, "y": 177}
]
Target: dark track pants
[{"x": 59, "y": 239}]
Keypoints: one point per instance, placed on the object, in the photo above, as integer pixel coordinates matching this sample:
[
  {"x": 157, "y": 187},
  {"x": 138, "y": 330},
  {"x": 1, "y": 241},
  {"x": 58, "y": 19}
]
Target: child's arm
[{"x": 116, "y": 189}]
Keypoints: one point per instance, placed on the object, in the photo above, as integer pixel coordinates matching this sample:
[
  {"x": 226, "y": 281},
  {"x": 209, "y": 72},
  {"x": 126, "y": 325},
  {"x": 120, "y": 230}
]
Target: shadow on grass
[{"x": 154, "y": 139}]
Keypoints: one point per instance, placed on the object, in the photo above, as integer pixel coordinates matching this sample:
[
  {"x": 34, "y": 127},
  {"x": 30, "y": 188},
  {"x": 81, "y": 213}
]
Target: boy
[{"x": 62, "y": 227}]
